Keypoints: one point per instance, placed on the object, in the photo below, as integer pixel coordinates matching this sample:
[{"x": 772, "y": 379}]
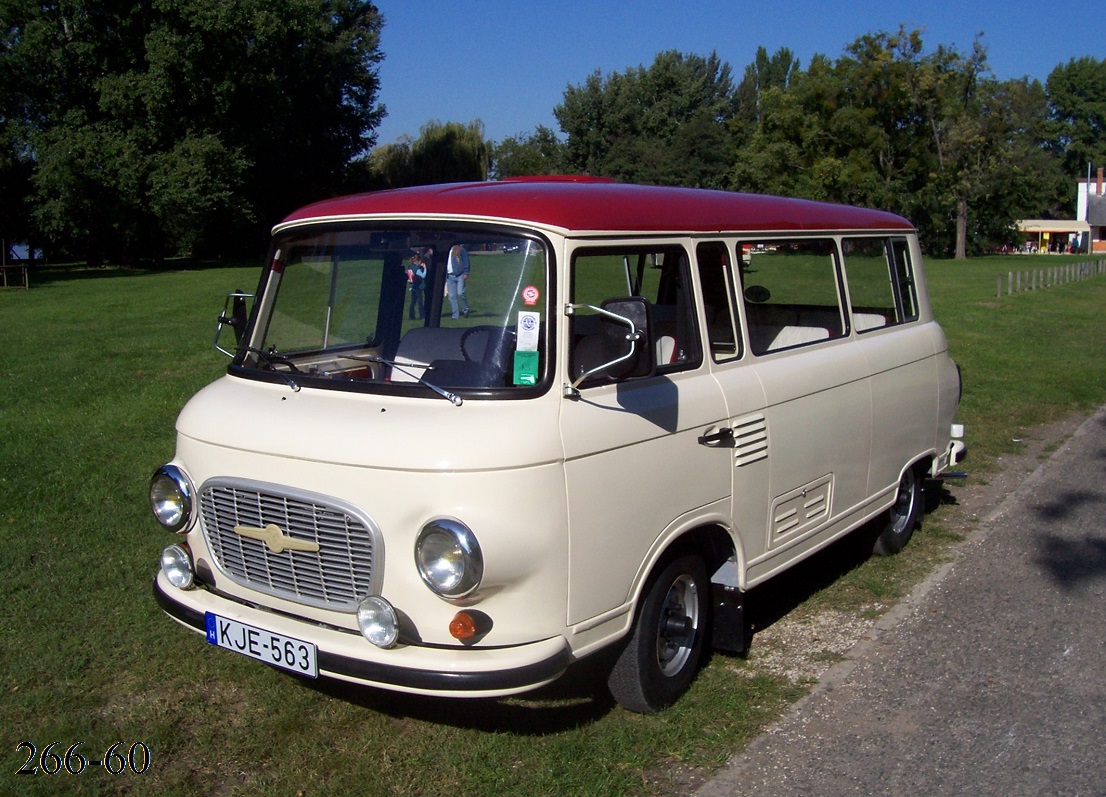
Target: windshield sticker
[
  {"x": 528, "y": 325},
  {"x": 530, "y": 295},
  {"x": 526, "y": 368}
]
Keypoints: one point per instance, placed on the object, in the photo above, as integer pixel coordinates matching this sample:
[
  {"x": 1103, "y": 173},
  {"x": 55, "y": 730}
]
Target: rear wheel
[
  {"x": 904, "y": 515},
  {"x": 662, "y": 655}
]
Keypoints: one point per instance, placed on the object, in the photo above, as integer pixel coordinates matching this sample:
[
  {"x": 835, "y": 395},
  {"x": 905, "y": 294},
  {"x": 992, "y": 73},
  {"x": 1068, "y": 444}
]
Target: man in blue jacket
[{"x": 456, "y": 275}]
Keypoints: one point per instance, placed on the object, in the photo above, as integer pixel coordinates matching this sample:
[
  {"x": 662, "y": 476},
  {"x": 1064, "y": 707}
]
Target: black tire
[
  {"x": 904, "y": 516},
  {"x": 663, "y": 652}
]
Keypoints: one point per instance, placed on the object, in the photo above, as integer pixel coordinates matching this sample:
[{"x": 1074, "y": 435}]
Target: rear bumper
[
  {"x": 452, "y": 672},
  {"x": 958, "y": 452},
  {"x": 954, "y": 454}
]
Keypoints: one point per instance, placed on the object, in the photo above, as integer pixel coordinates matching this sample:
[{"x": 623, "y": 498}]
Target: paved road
[{"x": 992, "y": 682}]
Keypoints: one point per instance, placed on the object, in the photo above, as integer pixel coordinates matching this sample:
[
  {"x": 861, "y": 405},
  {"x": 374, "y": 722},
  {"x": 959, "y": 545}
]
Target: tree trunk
[{"x": 961, "y": 229}]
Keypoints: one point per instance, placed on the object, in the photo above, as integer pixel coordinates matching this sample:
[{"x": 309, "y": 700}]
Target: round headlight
[
  {"x": 377, "y": 620},
  {"x": 449, "y": 558},
  {"x": 177, "y": 566},
  {"x": 171, "y": 497}
]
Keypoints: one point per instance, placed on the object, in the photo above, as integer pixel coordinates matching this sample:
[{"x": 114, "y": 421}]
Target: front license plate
[{"x": 270, "y": 647}]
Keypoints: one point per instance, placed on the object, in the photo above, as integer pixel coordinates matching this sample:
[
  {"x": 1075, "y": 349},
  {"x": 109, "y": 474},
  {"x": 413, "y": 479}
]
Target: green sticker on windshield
[{"x": 526, "y": 367}]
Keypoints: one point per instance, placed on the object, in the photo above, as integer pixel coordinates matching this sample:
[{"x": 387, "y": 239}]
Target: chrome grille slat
[{"x": 335, "y": 577}]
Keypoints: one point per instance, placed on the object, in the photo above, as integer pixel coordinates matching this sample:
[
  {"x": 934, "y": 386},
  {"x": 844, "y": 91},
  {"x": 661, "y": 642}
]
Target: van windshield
[{"x": 400, "y": 310}]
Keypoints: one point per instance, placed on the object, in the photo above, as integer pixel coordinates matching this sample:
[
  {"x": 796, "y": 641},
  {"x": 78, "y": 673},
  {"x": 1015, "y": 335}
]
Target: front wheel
[
  {"x": 663, "y": 652},
  {"x": 904, "y": 515}
]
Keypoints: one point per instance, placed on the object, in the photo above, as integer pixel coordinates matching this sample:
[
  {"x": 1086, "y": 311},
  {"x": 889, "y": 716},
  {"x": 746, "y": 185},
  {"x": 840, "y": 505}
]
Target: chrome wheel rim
[
  {"x": 678, "y": 625},
  {"x": 904, "y": 503}
]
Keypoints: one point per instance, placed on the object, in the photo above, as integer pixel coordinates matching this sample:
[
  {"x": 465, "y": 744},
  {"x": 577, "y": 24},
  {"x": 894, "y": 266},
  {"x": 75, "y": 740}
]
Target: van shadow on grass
[{"x": 579, "y": 697}]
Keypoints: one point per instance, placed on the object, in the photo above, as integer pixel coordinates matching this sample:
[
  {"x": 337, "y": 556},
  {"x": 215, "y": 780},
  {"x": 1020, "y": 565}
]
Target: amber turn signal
[{"x": 462, "y": 626}]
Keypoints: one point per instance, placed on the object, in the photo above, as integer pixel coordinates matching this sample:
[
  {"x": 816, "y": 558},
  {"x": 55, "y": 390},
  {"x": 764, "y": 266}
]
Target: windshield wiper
[
  {"x": 452, "y": 398},
  {"x": 270, "y": 358}
]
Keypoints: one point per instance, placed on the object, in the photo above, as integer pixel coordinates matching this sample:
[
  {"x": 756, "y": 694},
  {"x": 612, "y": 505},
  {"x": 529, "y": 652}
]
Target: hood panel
[{"x": 376, "y": 431}]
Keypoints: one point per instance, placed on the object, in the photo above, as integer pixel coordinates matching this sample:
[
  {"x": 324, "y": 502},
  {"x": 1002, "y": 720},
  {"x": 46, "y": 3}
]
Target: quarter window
[
  {"x": 903, "y": 270},
  {"x": 719, "y": 303}
]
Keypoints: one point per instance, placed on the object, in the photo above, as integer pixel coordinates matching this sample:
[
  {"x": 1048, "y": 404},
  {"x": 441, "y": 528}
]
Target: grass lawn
[{"x": 95, "y": 366}]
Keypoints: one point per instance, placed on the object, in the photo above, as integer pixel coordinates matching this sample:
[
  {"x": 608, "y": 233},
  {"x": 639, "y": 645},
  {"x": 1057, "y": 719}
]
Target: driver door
[{"x": 633, "y": 463}]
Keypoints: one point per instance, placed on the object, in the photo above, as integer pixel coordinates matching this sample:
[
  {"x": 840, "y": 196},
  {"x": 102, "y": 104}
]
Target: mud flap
[{"x": 727, "y": 610}]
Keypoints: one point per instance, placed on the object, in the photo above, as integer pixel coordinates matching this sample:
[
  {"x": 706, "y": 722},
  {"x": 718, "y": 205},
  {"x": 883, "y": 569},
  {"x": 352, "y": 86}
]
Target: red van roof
[{"x": 595, "y": 204}]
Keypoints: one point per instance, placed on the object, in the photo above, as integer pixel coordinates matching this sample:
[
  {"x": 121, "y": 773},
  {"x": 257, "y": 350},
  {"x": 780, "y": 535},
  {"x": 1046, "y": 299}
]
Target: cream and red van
[{"x": 653, "y": 400}]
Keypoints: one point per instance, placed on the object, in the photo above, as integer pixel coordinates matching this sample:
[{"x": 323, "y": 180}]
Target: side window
[
  {"x": 791, "y": 292},
  {"x": 881, "y": 288},
  {"x": 719, "y": 302},
  {"x": 659, "y": 274}
]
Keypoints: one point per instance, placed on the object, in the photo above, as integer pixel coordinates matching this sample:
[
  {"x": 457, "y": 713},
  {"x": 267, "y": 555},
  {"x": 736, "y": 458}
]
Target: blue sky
[{"x": 508, "y": 63}]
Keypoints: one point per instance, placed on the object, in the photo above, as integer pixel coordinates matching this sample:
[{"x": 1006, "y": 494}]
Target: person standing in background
[
  {"x": 456, "y": 275},
  {"x": 417, "y": 278}
]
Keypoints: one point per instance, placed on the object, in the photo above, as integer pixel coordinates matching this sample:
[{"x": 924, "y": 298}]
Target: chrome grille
[{"x": 335, "y": 577}]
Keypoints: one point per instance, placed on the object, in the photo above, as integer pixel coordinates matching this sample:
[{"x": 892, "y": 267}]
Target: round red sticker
[{"x": 530, "y": 295}]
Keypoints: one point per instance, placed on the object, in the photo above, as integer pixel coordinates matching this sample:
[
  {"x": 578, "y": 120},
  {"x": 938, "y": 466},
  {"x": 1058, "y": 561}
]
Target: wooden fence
[{"x": 1038, "y": 278}]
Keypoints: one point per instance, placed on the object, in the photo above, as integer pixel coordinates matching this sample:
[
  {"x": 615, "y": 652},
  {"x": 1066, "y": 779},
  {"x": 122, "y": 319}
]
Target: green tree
[
  {"x": 772, "y": 156},
  {"x": 88, "y": 182},
  {"x": 444, "y": 152},
  {"x": 15, "y": 187},
  {"x": 778, "y": 71},
  {"x": 932, "y": 136},
  {"x": 170, "y": 125},
  {"x": 450, "y": 152},
  {"x": 665, "y": 124},
  {"x": 1077, "y": 99},
  {"x": 989, "y": 164},
  {"x": 1027, "y": 180},
  {"x": 386, "y": 166},
  {"x": 839, "y": 131},
  {"x": 540, "y": 152},
  {"x": 950, "y": 94}
]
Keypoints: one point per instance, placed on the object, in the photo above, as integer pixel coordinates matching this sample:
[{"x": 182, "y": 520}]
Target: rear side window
[
  {"x": 881, "y": 284},
  {"x": 657, "y": 273},
  {"x": 792, "y": 293}
]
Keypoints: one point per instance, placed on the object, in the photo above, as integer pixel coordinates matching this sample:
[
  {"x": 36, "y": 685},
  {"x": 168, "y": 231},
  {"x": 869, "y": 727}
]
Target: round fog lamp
[
  {"x": 377, "y": 620},
  {"x": 177, "y": 566}
]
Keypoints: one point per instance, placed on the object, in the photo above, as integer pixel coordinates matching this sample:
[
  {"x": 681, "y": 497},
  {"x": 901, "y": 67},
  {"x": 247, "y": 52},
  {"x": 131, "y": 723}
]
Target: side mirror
[
  {"x": 236, "y": 319},
  {"x": 627, "y": 324},
  {"x": 622, "y": 347}
]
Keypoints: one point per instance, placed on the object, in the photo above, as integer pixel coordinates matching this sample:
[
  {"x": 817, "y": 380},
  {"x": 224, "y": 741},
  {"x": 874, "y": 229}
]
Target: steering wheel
[
  {"x": 496, "y": 355},
  {"x": 468, "y": 333}
]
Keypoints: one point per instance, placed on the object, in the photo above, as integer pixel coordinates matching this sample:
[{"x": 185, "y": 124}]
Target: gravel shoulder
[
  {"x": 807, "y": 648},
  {"x": 821, "y": 649}
]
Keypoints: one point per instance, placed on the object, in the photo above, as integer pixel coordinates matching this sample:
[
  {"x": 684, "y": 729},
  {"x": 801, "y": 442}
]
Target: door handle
[{"x": 723, "y": 438}]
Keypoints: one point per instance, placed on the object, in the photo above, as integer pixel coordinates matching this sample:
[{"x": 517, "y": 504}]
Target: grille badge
[{"x": 275, "y": 539}]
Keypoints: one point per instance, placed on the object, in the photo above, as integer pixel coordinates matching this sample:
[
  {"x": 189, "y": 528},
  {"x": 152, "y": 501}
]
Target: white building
[
  {"x": 1085, "y": 233},
  {"x": 1091, "y": 208}
]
